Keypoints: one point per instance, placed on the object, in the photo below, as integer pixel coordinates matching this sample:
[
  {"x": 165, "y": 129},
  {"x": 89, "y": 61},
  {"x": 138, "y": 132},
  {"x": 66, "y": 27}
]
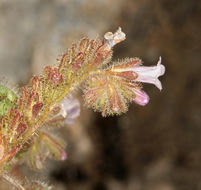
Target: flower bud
[{"x": 141, "y": 97}]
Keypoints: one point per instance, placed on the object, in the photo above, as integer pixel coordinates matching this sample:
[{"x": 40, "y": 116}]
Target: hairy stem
[{"x": 14, "y": 182}]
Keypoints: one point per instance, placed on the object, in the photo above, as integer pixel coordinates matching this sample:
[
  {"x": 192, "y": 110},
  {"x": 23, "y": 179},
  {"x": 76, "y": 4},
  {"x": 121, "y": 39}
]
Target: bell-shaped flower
[{"x": 150, "y": 74}]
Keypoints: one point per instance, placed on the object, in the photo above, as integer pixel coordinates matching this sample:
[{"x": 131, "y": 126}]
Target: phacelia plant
[{"x": 108, "y": 87}]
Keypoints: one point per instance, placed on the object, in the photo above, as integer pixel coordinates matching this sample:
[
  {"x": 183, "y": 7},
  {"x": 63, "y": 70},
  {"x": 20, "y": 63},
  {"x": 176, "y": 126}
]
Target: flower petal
[
  {"x": 70, "y": 109},
  {"x": 150, "y": 74}
]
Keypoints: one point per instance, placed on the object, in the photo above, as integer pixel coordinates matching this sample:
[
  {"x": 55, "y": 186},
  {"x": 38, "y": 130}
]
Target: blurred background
[{"x": 156, "y": 147}]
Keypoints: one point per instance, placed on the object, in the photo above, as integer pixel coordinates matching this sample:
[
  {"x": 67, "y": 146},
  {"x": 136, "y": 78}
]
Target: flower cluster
[{"x": 110, "y": 90}]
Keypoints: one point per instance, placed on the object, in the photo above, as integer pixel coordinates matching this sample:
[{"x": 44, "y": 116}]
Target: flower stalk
[{"x": 108, "y": 87}]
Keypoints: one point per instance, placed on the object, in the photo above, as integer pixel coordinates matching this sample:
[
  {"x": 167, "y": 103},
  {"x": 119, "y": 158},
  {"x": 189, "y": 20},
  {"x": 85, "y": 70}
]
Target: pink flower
[
  {"x": 150, "y": 74},
  {"x": 147, "y": 75},
  {"x": 133, "y": 70},
  {"x": 70, "y": 109}
]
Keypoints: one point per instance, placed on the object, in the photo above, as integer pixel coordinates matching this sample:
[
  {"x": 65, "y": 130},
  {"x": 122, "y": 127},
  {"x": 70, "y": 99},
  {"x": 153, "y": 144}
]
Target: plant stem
[{"x": 13, "y": 182}]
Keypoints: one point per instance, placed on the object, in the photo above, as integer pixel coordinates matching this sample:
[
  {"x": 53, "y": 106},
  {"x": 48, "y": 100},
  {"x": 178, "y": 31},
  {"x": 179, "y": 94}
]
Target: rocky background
[{"x": 157, "y": 147}]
